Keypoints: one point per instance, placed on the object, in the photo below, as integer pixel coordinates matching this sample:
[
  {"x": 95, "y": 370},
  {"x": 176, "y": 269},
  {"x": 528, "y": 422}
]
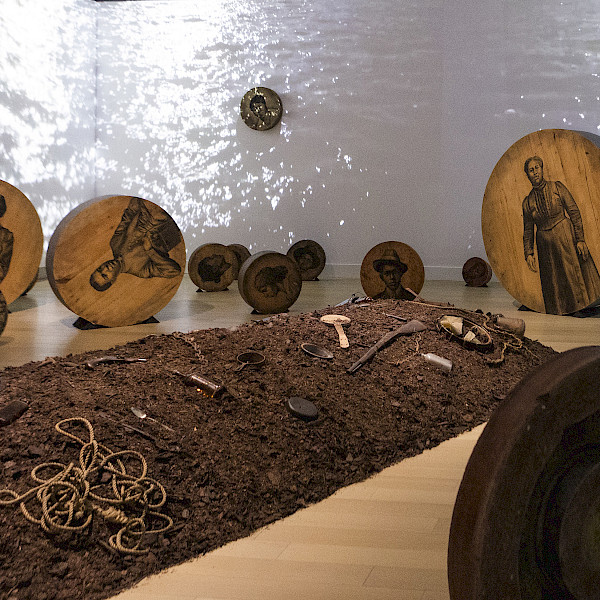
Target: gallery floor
[{"x": 380, "y": 539}]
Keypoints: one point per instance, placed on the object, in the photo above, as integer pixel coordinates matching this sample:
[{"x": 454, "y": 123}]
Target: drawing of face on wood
[
  {"x": 392, "y": 270},
  {"x": 116, "y": 260},
  {"x": 212, "y": 267},
  {"x": 540, "y": 221},
  {"x": 270, "y": 282},
  {"x": 261, "y": 108},
  {"x": 21, "y": 242},
  {"x": 310, "y": 258}
]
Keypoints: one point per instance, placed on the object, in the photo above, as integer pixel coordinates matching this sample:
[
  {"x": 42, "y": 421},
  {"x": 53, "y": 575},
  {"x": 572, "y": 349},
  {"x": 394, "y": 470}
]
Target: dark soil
[{"x": 237, "y": 463}]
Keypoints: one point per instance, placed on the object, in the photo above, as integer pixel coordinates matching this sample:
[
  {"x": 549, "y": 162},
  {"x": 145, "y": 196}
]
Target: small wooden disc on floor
[
  {"x": 310, "y": 258},
  {"x": 21, "y": 242},
  {"x": 212, "y": 267},
  {"x": 526, "y": 519},
  {"x": 476, "y": 272},
  {"x": 389, "y": 268},
  {"x": 116, "y": 260},
  {"x": 269, "y": 282},
  {"x": 242, "y": 253},
  {"x": 540, "y": 221}
]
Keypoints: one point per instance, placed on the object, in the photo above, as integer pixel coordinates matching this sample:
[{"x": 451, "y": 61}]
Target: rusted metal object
[
  {"x": 526, "y": 522},
  {"x": 203, "y": 385},
  {"x": 94, "y": 362},
  {"x": 406, "y": 329}
]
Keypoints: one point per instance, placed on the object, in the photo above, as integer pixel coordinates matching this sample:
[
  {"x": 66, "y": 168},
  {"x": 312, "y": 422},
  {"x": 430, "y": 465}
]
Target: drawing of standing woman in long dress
[
  {"x": 552, "y": 220},
  {"x": 6, "y": 242}
]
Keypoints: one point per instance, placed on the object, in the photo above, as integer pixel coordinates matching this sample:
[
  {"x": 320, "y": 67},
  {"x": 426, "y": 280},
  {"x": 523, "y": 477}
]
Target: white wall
[
  {"x": 47, "y": 103},
  {"x": 395, "y": 113}
]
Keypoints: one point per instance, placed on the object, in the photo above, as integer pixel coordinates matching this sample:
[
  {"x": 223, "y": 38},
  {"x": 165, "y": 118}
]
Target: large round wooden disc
[
  {"x": 242, "y": 253},
  {"x": 526, "y": 524},
  {"x": 398, "y": 264},
  {"x": 137, "y": 235},
  {"x": 476, "y": 272},
  {"x": 212, "y": 267},
  {"x": 516, "y": 219},
  {"x": 3, "y": 313},
  {"x": 21, "y": 242},
  {"x": 310, "y": 258},
  {"x": 269, "y": 282}
]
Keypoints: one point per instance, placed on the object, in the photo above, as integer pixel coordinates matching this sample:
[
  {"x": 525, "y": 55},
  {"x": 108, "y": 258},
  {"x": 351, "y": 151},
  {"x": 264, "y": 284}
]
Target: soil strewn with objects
[{"x": 230, "y": 464}]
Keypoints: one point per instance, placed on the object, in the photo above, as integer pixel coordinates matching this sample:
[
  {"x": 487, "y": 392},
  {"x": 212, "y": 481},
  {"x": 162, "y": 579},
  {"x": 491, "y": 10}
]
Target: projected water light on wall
[
  {"x": 47, "y": 103},
  {"x": 394, "y": 112},
  {"x": 169, "y": 123}
]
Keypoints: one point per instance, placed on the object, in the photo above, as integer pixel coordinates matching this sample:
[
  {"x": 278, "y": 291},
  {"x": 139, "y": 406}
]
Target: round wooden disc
[
  {"x": 526, "y": 487},
  {"x": 128, "y": 240},
  {"x": 310, "y": 258},
  {"x": 402, "y": 265},
  {"x": 269, "y": 282},
  {"x": 516, "y": 219},
  {"x": 21, "y": 242},
  {"x": 242, "y": 253},
  {"x": 261, "y": 108},
  {"x": 3, "y": 313},
  {"x": 476, "y": 272},
  {"x": 212, "y": 267}
]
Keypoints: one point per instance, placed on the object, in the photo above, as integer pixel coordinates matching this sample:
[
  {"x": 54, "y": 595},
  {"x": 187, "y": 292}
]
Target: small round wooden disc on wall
[
  {"x": 310, "y": 258},
  {"x": 21, "y": 242},
  {"x": 242, "y": 253},
  {"x": 270, "y": 282},
  {"x": 212, "y": 267},
  {"x": 116, "y": 260},
  {"x": 540, "y": 221},
  {"x": 476, "y": 272},
  {"x": 261, "y": 108},
  {"x": 389, "y": 269}
]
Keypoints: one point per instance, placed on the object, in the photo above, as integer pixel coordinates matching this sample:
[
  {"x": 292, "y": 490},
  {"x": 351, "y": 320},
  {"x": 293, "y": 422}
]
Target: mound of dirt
[{"x": 235, "y": 462}]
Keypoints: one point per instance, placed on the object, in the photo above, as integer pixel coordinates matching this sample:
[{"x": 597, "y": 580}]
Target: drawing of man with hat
[{"x": 391, "y": 269}]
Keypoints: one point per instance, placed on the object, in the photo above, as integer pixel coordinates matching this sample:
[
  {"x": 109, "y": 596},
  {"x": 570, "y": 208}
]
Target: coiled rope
[{"x": 70, "y": 495}]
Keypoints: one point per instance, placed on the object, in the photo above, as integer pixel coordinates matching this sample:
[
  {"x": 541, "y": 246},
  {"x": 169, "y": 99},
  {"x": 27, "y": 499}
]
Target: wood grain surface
[
  {"x": 242, "y": 253},
  {"x": 270, "y": 282},
  {"x": 413, "y": 278},
  {"x": 567, "y": 157},
  {"x": 89, "y": 236},
  {"x": 22, "y": 221},
  {"x": 310, "y": 258},
  {"x": 213, "y": 267}
]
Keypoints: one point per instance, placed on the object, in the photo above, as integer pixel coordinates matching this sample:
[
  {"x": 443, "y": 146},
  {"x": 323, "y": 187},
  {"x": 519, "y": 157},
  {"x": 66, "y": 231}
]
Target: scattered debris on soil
[{"x": 240, "y": 455}]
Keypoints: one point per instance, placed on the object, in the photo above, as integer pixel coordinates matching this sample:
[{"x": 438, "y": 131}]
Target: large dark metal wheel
[{"x": 526, "y": 523}]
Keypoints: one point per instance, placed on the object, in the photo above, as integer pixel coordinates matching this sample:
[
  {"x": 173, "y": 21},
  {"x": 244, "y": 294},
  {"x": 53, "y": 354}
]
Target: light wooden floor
[{"x": 381, "y": 539}]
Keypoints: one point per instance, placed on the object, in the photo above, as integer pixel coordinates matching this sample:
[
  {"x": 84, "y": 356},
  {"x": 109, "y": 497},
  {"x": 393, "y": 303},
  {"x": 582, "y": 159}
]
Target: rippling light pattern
[
  {"x": 47, "y": 103},
  {"x": 395, "y": 112}
]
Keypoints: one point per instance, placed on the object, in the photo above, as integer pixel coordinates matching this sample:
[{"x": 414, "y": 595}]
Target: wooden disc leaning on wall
[
  {"x": 540, "y": 221},
  {"x": 476, "y": 272},
  {"x": 389, "y": 269},
  {"x": 242, "y": 253},
  {"x": 212, "y": 267},
  {"x": 310, "y": 258},
  {"x": 21, "y": 242},
  {"x": 525, "y": 521},
  {"x": 270, "y": 282},
  {"x": 116, "y": 260}
]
